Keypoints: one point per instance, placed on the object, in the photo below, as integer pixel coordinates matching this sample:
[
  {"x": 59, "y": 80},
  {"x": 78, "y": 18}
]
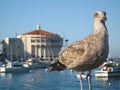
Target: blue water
[{"x": 39, "y": 79}]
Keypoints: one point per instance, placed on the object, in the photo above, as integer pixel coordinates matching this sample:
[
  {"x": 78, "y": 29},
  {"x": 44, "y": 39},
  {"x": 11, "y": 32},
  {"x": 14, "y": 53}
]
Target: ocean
[{"x": 40, "y": 79}]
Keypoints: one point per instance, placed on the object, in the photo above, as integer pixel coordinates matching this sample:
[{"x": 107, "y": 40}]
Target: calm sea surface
[{"x": 39, "y": 79}]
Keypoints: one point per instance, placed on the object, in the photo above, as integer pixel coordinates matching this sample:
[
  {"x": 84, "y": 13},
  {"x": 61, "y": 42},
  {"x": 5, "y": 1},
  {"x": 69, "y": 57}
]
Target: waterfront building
[{"x": 37, "y": 43}]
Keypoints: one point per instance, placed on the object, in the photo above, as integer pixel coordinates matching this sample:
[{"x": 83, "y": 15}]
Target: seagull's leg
[
  {"x": 89, "y": 80},
  {"x": 80, "y": 81}
]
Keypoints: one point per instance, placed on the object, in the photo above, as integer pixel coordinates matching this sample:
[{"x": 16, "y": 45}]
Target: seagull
[{"x": 88, "y": 53}]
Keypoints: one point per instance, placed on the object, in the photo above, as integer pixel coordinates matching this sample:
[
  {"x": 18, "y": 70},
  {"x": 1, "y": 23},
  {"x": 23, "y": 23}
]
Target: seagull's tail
[{"x": 58, "y": 66}]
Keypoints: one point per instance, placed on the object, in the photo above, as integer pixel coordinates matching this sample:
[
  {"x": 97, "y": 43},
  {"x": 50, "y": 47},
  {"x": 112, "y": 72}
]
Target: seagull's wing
[
  {"x": 68, "y": 55},
  {"x": 81, "y": 44},
  {"x": 77, "y": 45}
]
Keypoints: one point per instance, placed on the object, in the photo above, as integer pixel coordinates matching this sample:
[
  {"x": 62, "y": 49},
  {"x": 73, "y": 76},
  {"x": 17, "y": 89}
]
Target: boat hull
[
  {"x": 83, "y": 76},
  {"x": 14, "y": 69},
  {"x": 107, "y": 73},
  {"x": 40, "y": 64}
]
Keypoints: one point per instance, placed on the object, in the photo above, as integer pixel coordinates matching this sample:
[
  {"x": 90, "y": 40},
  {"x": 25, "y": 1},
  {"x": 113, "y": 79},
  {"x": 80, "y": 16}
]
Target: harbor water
[{"x": 40, "y": 79}]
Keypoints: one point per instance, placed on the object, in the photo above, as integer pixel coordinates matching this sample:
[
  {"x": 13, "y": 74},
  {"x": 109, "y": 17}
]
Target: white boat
[
  {"x": 34, "y": 63},
  {"x": 108, "y": 69},
  {"x": 11, "y": 68},
  {"x": 83, "y": 76}
]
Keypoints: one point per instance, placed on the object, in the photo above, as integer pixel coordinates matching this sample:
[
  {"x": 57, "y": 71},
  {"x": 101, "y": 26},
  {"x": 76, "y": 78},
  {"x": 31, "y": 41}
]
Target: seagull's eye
[{"x": 96, "y": 14}]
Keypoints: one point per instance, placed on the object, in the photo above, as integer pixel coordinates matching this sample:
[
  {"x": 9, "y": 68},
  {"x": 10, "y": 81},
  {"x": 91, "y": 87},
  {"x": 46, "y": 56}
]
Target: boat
[
  {"x": 36, "y": 63},
  {"x": 11, "y": 67},
  {"x": 83, "y": 76},
  {"x": 108, "y": 69}
]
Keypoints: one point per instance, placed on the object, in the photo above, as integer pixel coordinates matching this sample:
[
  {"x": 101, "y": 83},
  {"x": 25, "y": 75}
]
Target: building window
[
  {"x": 42, "y": 40},
  {"x": 38, "y": 41},
  {"x": 32, "y": 41},
  {"x": 33, "y": 50}
]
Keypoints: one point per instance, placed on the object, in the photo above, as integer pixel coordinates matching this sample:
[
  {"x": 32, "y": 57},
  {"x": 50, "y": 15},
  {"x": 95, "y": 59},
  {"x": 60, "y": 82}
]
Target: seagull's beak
[{"x": 105, "y": 18}]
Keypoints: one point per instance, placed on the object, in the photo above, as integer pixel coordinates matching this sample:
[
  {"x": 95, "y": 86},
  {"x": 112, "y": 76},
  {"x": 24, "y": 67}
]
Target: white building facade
[{"x": 37, "y": 43}]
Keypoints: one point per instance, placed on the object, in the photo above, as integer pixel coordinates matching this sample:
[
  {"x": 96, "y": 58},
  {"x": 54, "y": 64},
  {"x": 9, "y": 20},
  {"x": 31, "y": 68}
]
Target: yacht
[
  {"x": 10, "y": 67},
  {"x": 108, "y": 69},
  {"x": 36, "y": 63}
]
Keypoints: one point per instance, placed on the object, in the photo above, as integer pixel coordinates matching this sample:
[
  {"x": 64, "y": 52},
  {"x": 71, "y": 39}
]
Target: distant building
[{"x": 37, "y": 43}]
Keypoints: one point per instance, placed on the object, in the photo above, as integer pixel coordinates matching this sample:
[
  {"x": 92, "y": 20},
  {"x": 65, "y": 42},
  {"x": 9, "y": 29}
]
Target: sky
[{"x": 72, "y": 19}]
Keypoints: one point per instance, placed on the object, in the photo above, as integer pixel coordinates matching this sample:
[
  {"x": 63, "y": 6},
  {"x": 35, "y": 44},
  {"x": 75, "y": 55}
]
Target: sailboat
[
  {"x": 37, "y": 63},
  {"x": 11, "y": 67}
]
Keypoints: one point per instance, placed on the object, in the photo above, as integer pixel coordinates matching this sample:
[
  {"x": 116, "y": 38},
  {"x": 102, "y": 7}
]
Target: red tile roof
[{"x": 40, "y": 32}]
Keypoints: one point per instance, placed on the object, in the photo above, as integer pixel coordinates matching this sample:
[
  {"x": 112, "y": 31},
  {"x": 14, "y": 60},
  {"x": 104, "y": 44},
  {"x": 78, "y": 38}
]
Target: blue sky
[{"x": 73, "y": 19}]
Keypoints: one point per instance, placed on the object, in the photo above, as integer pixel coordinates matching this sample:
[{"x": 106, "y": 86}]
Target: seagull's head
[{"x": 101, "y": 16}]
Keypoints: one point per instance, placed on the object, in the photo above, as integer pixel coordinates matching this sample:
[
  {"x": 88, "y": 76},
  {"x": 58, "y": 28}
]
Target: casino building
[{"x": 37, "y": 43}]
